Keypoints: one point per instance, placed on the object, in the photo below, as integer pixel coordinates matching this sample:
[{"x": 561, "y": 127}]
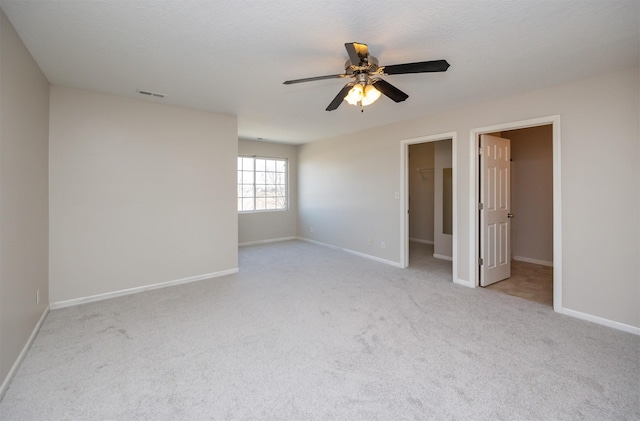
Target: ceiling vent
[{"x": 149, "y": 93}]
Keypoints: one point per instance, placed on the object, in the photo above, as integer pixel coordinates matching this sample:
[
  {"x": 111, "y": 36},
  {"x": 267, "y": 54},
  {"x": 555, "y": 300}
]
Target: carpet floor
[{"x": 305, "y": 332}]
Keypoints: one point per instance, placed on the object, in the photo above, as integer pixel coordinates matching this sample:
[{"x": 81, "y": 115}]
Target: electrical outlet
[
  {"x": 382, "y": 245},
  {"x": 311, "y": 229},
  {"x": 370, "y": 242},
  {"x": 38, "y": 297}
]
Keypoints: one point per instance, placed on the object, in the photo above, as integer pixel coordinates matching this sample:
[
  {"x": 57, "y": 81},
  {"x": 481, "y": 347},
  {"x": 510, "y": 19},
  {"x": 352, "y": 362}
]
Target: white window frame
[{"x": 239, "y": 184}]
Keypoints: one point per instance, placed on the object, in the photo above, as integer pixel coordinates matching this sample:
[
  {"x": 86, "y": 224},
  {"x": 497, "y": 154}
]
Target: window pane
[
  {"x": 247, "y": 177},
  {"x": 271, "y": 165},
  {"x": 247, "y": 204},
  {"x": 270, "y": 178},
  {"x": 247, "y": 164},
  {"x": 261, "y": 184},
  {"x": 247, "y": 191}
]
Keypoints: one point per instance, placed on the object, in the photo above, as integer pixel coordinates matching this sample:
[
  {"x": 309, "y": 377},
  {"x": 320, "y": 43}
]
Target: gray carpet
[{"x": 306, "y": 332}]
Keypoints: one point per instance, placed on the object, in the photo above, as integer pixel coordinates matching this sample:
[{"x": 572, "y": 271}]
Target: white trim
[
  {"x": 463, "y": 282},
  {"x": 601, "y": 321},
  {"x": 557, "y": 216},
  {"x": 129, "y": 291},
  {"x": 443, "y": 257},
  {"x": 417, "y": 240},
  {"x": 554, "y": 120},
  {"x": 273, "y": 240},
  {"x": 23, "y": 353},
  {"x": 534, "y": 261},
  {"x": 357, "y": 253},
  {"x": 404, "y": 197},
  {"x": 286, "y": 187}
]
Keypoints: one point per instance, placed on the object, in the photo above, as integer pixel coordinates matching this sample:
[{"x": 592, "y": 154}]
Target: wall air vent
[{"x": 149, "y": 93}]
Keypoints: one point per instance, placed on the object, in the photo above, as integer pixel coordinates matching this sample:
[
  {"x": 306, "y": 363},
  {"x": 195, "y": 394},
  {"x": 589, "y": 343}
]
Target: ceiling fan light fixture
[
  {"x": 367, "y": 86},
  {"x": 362, "y": 95},
  {"x": 355, "y": 95},
  {"x": 371, "y": 95}
]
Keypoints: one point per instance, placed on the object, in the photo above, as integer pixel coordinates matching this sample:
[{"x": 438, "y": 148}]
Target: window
[{"x": 262, "y": 184}]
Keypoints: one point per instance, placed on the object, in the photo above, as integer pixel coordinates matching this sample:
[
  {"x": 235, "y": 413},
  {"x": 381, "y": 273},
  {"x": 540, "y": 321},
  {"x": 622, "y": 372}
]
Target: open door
[{"x": 495, "y": 229}]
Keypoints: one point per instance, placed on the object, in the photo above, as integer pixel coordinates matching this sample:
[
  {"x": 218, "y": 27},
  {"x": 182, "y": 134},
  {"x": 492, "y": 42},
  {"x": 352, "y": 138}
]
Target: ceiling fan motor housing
[{"x": 368, "y": 66}]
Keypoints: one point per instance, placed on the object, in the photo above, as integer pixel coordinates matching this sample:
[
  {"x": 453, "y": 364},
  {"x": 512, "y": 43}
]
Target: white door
[{"x": 495, "y": 232}]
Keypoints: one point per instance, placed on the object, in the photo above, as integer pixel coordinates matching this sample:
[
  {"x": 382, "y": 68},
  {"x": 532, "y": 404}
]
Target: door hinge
[
  {"x": 480, "y": 261},
  {"x": 480, "y": 150},
  {"x": 480, "y": 206}
]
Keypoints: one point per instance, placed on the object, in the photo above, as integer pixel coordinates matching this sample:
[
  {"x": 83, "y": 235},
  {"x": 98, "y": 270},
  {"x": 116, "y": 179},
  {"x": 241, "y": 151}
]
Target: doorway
[
  {"x": 536, "y": 241},
  {"x": 530, "y": 215},
  {"x": 434, "y": 232},
  {"x": 430, "y": 206}
]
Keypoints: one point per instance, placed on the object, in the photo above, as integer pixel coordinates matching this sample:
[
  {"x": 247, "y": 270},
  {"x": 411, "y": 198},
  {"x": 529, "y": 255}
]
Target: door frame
[
  {"x": 404, "y": 197},
  {"x": 474, "y": 217}
]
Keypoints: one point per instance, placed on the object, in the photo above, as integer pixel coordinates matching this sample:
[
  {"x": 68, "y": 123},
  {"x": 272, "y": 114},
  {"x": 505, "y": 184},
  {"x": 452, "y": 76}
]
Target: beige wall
[
  {"x": 532, "y": 193},
  {"x": 346, "y": 202},
  {"x": 271, "y": 225},
  {"x": 24, "y": 125},
  {"x": 141, "y": 193},
  {"x": 347, "y": 193},
  {"x": 421, "y": 194},
  {"x": 443, "y": 243}
]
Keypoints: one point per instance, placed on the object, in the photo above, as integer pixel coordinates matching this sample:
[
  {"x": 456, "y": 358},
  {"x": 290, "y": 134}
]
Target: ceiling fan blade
[
  {"x": 419, "y": 67},
  {"x": 311, "y": 79},
  {"x": 357, "y": 52},
  {"x": 389, "y": 90},
  {"x": 340, "y": 97}
]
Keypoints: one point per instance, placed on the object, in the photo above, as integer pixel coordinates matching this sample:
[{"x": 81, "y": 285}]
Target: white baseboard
[
  {"x": 417, "y": 240},
  {"x": 273, "y": 240},
  {"x": 357, "y": 253},
  {"x": 23, "y": 353},
  {"x": 443, "y": 257},
  {"x": 464, "y": 283},
  {"x": 534, "y": 261},
  {"x": 113, "y": 294},
  {"x": 599, "y": 320}
]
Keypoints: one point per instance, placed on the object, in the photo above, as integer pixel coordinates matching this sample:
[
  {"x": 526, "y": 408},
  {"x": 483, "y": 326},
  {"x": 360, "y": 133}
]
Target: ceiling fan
[{"x": 367, "y": 86}]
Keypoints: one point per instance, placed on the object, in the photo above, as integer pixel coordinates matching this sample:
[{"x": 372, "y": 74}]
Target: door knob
[{"x": 510, "y": 215}]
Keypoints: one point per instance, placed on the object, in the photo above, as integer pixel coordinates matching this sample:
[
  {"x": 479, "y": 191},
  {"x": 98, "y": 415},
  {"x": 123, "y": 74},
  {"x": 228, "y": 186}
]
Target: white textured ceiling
[{"x": 231, "y": 57}]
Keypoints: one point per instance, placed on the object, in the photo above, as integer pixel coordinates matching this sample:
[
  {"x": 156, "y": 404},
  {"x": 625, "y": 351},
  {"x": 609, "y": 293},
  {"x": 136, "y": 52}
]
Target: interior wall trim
[
  {"x": 357, "y": 253},
  {"x": 23, "y": 353},
  {"x": 443, "y": 257},
  {"x": 272, "y": 240},
  {"x": 602, "y": 321},
  {"x": 122, "y": 292},
  {"x": 417, "y": 240},
  {"x": 534, "y": 261}
]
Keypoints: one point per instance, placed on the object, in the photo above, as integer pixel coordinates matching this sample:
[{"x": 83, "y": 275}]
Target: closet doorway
[
  {"x": 530, "y": 208},
  {"x": 535, "y": 212},
  {"x": 428, "y": 205}
]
